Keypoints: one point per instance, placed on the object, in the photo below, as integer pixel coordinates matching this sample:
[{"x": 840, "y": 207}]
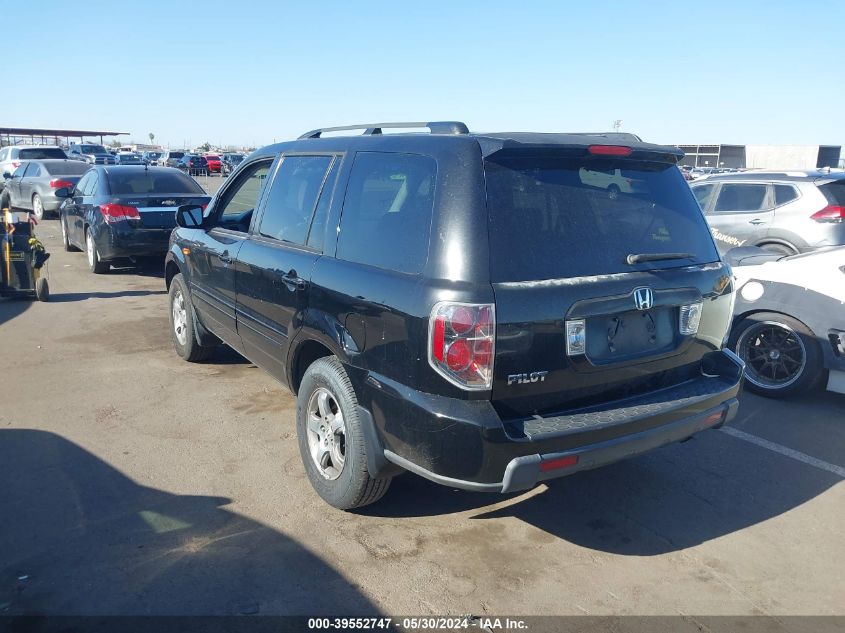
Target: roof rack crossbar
[{"x": 435, "y": 127}]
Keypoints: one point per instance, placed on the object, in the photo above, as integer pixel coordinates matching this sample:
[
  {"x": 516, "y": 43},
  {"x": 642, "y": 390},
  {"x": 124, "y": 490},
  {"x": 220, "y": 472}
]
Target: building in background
[{"x": 762, "y": 156}]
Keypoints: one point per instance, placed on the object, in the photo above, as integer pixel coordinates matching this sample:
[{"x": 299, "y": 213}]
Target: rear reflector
[
  {"x": 714, "y": 417},
  {"x": 832, "y": 213},
  {"x": 609, "y": 150},
  {"x": 561, "y": 462}
]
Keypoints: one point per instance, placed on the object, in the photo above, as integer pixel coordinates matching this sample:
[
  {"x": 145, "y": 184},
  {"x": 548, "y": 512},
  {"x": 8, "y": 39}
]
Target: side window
[
  {"x": 317, "y": 235},
  {"x": 234, "y": 209},
  {"x": 784, "y": 194},
  {"x": 293, "y": 197},
  {"x": 3, "y": 153},
  {"x": 33, "y": 171},
  {"x": 703, "y": 193},
  {"x": 741, "y": 197},
  {"x": 83, "y": 182},
  {"x": 18, "y": 173},
  {"x": 91, "y": 187},
  {"x": 386, "y": 219}
]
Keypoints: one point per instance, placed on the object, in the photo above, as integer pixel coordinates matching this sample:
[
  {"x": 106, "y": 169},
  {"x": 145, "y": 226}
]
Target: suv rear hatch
[{"x": 596, "y": 262}]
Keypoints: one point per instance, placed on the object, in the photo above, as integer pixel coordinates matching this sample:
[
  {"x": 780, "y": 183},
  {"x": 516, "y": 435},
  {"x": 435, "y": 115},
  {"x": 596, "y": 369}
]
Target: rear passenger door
[
  {"x": 274, "y": 265},
  {"x": 741, "y": 214}
]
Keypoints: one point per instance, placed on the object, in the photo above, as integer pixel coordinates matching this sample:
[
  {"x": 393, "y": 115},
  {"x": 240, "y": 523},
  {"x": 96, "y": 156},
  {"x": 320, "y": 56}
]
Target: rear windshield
[
  {"x": 176, "y": 154},
  {"x": 553, "y": 217},
  {"x": 65, "y": 167},
  {"x": 834, "y": 192},
  {"x": 39, "y": 153},
  {"x": 93, "y": 149},
  {"x": 138, "y": 182}
]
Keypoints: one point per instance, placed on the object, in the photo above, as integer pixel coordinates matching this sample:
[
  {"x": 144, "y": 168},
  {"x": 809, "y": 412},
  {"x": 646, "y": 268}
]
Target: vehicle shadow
[
  {"x": 10, "y": 307},
  {"x": 145, "y": 267},
  {"x": 671, "y": 499},
  {"x": 79, "y": 538},
  {"x": 82, "y": 296}
]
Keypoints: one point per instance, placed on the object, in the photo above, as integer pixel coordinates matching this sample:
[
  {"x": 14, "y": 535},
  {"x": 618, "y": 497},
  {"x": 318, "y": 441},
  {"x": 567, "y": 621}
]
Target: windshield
[
  {"x": 559, "y": 217},
  {"x": 140, "y": 182},
  {"x": 37, "y": 153},
  {"x": 177, "y": 155},
  {"x": 93, "y": 149}
]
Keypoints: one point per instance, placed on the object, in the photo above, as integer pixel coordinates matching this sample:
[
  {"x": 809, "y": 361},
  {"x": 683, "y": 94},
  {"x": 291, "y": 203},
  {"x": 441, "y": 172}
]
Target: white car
[
  {"x": 789, "y": 320},
  {"x": 611, "y": 179}
]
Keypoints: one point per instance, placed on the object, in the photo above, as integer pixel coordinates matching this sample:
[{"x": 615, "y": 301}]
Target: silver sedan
[{"x": 33, "y": 184}]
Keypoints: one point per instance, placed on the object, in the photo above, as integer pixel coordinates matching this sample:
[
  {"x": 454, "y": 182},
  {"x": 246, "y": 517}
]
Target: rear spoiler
[{"x": 638, "y": 152}]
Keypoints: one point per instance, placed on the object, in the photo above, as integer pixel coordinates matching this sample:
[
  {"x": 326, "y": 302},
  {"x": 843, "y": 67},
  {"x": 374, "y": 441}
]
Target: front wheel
[
  {"x": 97, "y": 267},
  {"x": 331, "y": 441},
  {"x": 781, "y": 354},
  {"x": 37, "y": 207},
  {"x": 182, "y": 323}
]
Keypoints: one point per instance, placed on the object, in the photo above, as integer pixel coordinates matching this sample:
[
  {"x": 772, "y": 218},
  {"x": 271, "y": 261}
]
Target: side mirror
[
  {"x": 63, "y": 192},
  {"x": 6, "y": 175},
  {"x": 189, "y": 216}
]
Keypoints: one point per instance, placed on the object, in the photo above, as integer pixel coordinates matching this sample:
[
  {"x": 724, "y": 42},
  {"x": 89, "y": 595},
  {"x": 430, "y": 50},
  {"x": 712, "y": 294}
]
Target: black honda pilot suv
[{"x": 488, "y": 311}]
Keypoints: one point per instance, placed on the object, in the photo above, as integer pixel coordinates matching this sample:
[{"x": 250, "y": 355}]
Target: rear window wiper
[{"x": 638, "y": 258}]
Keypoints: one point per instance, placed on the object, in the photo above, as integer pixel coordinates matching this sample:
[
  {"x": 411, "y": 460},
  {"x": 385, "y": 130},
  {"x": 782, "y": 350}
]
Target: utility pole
[{"x": 617, "y": 124}]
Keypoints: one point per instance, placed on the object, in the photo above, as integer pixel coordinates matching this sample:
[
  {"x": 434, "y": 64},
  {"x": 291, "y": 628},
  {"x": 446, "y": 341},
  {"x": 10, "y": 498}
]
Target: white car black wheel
[{"x": 781, "y": 354}]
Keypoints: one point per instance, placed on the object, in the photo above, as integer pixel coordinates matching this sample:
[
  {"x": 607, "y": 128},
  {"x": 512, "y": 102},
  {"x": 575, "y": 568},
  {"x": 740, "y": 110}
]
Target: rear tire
[
  {"x": 782, "y": 356},
  {"x": 182, "y": 323},
  {"x": 780, "y": 249},
  {"x": 97, "y": 267},
  {"x": 331, "y": 441}
]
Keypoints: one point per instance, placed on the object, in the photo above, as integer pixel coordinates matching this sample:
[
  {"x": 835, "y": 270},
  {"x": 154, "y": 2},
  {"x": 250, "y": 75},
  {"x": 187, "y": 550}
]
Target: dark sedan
[
  {"x": 120, "y": 213},
  {"x": 33, "y": 185},
  {"x": 194, "y": 165}
]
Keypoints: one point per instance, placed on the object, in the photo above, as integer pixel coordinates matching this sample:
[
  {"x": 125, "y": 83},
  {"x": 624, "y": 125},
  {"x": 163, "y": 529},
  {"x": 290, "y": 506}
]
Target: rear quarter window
[{"x": 386, "y": 219}]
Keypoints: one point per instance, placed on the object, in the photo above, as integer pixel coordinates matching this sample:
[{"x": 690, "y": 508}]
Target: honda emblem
[{"x": 643, "y": 298}]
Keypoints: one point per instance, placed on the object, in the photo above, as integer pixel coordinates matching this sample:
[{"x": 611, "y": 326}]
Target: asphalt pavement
[{"x": 137, "y": 483}]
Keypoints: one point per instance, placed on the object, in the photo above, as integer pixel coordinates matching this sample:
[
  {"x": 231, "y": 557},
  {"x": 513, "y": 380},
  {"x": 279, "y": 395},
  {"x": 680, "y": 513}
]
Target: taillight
[
  {"x": 461, "y": 342},
  {"x": 58, "y": 183},
  {"x": 609, "y": 150},
  {"x": 113, "y": 213},
  {"x": 830, "y": 213}
]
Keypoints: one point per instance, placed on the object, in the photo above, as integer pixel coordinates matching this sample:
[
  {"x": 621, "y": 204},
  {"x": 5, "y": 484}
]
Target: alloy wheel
[
  {"x": 326, "y": 433},
  {"x": 774, "y": 354},
  {"x": 180, "y": 318}
]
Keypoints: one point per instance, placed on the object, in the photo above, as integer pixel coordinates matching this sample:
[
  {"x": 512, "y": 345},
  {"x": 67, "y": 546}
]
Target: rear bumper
[
  {"x": 117, "y": 244},
  {"x": 464, "y": 444}
]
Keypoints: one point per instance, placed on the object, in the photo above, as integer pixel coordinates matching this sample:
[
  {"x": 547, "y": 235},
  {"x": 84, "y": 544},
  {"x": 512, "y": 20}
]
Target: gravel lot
[{"x": 135, "y": 483}]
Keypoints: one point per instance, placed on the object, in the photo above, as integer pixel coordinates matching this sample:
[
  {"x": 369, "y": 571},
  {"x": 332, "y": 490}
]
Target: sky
[{"x": 252, "y": 72}]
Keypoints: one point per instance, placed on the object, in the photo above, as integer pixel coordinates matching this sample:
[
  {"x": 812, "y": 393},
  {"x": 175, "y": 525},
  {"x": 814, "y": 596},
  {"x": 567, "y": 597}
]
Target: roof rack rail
[{"x": 435, "y": 127}]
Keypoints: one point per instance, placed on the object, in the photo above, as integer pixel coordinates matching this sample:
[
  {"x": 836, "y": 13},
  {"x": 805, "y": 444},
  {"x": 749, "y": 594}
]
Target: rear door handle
[
  {"x": 756, "y": 221},
  {"x": 224, "y": 257},
  {"x": 293, "y": 281}
]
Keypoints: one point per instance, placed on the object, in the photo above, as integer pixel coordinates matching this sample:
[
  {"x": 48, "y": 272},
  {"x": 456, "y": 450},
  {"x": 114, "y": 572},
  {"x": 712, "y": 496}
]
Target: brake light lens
[
  {"x": 830, "y": 213},
  {"x": 609, "y": 150},
  {"x": 113, "y": 213},
  {"x": 461, "y": 343},
  {"x": 58, "y": 183}
]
